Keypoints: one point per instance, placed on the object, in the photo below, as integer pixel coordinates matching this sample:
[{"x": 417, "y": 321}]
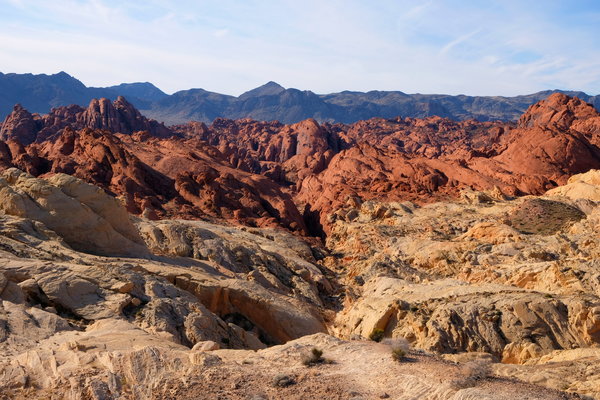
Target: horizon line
[{"x": 294, "y": 88}]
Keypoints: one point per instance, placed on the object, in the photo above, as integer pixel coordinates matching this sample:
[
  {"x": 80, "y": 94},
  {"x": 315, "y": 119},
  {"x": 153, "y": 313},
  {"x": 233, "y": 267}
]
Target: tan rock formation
[
  {"x": 83, "y": 215},
  {"x": 455, "y": 277},
  {"x": 581, "y": 186}
]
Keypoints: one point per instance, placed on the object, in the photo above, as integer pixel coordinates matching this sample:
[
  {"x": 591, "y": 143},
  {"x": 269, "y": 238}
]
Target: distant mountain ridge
[{"x": 40, "y": 93}]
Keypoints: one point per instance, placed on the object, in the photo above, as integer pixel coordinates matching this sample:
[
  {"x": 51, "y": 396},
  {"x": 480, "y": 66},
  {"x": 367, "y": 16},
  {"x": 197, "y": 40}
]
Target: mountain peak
[
  {"x": 140, "y": 90},
  {"x": 272, "y": 84},
  {"x": 268, "y": 89}
]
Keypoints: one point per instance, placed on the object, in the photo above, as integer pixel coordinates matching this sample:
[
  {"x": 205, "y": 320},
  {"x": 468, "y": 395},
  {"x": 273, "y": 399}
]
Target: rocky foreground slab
[{"x": 472, "y": 305}]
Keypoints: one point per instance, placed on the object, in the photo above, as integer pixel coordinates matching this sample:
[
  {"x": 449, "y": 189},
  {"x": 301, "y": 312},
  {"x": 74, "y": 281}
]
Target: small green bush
[
  {"x": 377, "y": 335},
  {"x": 473, "y": 373},
  {"x": 398, "y": 354},
  {"x": 313, "y": 358}
]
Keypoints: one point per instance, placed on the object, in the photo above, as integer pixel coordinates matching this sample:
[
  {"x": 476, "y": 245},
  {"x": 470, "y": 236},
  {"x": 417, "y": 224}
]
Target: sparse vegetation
[
  {"x": 283, "y": 380},
  {"x": 398, "y": 354},
  {"x": 377, "y": 335},
  {"x": 399, "y": 348},
  {"x": 472, "y": 373},
  {"x": 543, "y": 217},
  {"x": 313, "y": 358},
  {"x": 446, "y": 256}
]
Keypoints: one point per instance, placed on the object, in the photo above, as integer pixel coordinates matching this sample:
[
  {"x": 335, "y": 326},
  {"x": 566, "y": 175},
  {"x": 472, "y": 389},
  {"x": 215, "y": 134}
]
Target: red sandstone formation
[
  {"x": 249, "y": 171},
  {"x": 20, "y": 125},
  {"x": 284, "y": 153},
  {"x": 154, "y": 177},
  {"x": 209, "y": 184},
  {"x": 408, "y": 159},
  {"x": 118, "y": 116}
]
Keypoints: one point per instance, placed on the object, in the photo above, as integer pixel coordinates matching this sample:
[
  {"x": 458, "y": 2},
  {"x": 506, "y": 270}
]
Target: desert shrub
[
  {"x": 283, "y": 380},
  {"x": 472, "y": 373},
  {"x": 314, "y": 357},
  {"x": 397, "y": 342},
  {"x": 446, "y": 256},
  {"x": 398, "y": 354},
  {"x": 377, "y": 335},
  {"x": 399, "y": 348}
]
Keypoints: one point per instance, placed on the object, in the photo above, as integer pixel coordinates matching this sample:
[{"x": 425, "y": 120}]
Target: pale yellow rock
[
  {"x": 207, "y": 345},
  {"x": 468, "y": 357},
  {"x": 457, "y": 278},
  {"x": 580, "y": 186},
  {"x": 96, "y": 223},
  {"x": 519, "y": 353},
  {"x": 493, "y": 232},
  {"x": 203, "y": 312}
]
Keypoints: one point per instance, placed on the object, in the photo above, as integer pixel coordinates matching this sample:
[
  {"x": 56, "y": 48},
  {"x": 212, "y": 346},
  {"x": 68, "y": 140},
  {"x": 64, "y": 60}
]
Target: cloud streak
[{"x": 458, "y": 41}]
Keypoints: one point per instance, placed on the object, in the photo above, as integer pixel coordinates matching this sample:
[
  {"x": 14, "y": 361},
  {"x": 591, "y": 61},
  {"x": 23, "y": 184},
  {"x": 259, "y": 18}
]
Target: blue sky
[{"x": 483, "y": 47}]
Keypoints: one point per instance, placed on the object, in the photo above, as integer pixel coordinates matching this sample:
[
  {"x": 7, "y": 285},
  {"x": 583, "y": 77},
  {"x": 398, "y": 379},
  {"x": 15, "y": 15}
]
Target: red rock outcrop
[
  {"x": 175, "y": 178},
  {"x": 117, "y": 117},
  {"x": 261, "y": 173},
  {"x": 284, "y": 153},
  {"x": 20, "y": 125},
  {"x": 159, "y": 178},
  {"x": 549, "y": 144},
  {"x": 421, "y": 160},
  {"x": 99, "y": 157},
  {"x": 209, "y": 184},
  {"x": 558, "y": 110}
]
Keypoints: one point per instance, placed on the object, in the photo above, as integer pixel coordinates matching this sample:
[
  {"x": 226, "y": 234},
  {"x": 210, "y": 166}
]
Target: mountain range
[{"x": 40, "y": 93}]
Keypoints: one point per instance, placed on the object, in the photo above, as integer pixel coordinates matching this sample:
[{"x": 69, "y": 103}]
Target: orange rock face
[
  {"x": 118, "y": 116},
  {"x": 20, "y": 125},
  {"x": 263, "y": 173},
  {"x": 211, "y": 186},
  {"x": 158, "y": 178},
  {"x": 423, "y": 159},
  {"x": 284, "y": 153}
]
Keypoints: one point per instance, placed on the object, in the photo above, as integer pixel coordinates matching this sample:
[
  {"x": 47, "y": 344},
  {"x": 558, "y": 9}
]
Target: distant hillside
[
  {"x": 142, "y": 92},
  {"x": 39, "y": 93}
]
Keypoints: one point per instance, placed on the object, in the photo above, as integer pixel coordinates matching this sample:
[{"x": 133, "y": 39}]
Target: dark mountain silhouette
[
  {"x": 268, "y": 89},
  {"x": 40, "y": 93},
  {"x": 141, "y": 91}
]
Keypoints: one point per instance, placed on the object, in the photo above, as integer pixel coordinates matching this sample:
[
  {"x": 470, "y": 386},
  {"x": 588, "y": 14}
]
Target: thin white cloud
[
  {"x": 458, "y": 40},
  {"x": 417, "y": 11}
]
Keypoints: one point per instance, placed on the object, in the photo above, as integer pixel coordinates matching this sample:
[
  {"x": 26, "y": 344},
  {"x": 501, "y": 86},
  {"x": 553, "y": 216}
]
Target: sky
[{"x": 483, "y": 47}]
